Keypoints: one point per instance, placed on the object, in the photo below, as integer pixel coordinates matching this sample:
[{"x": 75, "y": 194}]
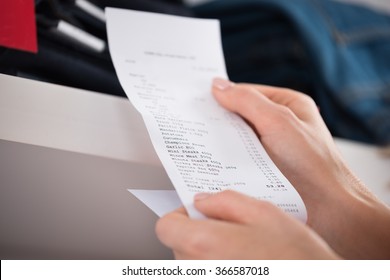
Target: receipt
[{"x": 165, "y": 65}]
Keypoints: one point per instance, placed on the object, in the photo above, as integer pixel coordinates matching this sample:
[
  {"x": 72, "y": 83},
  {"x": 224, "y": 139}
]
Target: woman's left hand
[{"x": 239, "y": 227}]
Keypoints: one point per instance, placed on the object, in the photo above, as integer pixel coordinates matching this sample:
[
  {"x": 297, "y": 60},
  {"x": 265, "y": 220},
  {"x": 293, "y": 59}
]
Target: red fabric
[{"x": 17, "y": 25}]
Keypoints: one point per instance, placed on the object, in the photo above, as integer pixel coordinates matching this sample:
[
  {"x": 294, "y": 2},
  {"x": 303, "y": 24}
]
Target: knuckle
[
  {"x": 244, "y": 93},
  {"x": 198, "y": 243},
  {"x": 162, "y": 226},
  {"x": 265, "y": 208},
  {"x": 284, "y": 114},
  {"x": 226, "y": 194},
  {"x": 307, "y": 100},
  {"x": 303, "y": 97}
]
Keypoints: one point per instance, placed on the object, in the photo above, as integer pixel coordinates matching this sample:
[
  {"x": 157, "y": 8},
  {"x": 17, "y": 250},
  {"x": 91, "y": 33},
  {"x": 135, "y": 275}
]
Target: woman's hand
[
  {"x": 239, "y": 227},
  {"x": 340, "y": 208}
]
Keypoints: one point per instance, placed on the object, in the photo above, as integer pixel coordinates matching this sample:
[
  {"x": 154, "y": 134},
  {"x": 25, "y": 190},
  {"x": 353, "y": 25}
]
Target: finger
[
  {"x": 181, "y": 210},
  {"x": 163, "y": 225},
  {"x": 190, "y": 238},
  {"x": 283, "y": 96},
  {"x": 266, "y": 115},
  {"x": 301, "y": 104},
  {"x": 233, "y": 207},
  {"x": 172, "y": 228},
  {"x": 252, "y": 101},
  {"x": 238, "y": 98}
]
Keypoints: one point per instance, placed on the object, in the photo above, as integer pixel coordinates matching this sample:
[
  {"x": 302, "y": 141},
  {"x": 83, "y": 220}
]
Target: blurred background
[{"x": 338, "y": 52}]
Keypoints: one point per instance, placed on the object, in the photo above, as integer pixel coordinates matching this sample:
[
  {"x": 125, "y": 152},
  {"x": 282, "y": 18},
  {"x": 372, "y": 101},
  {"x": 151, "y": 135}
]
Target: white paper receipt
[{"x": 166, "y": 65}]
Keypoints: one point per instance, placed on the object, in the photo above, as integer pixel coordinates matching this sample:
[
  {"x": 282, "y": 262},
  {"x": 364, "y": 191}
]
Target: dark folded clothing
[{"x": 64, "y": 61}]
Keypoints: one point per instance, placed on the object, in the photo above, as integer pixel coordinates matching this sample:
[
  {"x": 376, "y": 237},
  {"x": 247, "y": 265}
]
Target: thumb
[{"x": 233, "y": 207}]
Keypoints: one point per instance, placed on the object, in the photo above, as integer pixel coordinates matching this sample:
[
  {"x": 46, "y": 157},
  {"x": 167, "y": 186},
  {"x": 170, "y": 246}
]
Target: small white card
[{"x": 160, "y": 202}]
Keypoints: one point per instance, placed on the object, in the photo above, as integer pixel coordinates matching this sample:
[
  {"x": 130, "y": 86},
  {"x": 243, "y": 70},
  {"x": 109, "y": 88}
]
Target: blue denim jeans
[{"x": 335, "y": 52}]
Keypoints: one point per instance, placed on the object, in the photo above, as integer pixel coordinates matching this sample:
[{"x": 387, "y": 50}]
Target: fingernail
[
  {"x": 222, "y": 84},
  {"x": 201, "y": 196}
]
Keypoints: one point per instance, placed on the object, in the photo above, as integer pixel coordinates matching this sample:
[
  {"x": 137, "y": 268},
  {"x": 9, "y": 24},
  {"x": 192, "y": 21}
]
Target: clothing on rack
[{"x": 335, "y": 52}]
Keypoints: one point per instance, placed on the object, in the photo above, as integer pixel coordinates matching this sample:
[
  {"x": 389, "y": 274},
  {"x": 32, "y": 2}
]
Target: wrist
[{"x": 351, "y": 219}]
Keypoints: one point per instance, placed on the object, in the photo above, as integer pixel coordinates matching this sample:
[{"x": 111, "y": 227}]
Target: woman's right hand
[{"x": 340, "y": 208}]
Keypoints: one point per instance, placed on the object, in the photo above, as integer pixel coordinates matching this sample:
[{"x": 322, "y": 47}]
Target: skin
[
  {"x": 344, "y": 218},
  {"x": 239, "y": 227}
]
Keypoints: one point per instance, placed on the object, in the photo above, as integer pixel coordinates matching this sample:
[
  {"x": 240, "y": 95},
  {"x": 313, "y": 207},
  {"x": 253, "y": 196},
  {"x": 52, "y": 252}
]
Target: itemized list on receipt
[{"x": 166, "y": 64}]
